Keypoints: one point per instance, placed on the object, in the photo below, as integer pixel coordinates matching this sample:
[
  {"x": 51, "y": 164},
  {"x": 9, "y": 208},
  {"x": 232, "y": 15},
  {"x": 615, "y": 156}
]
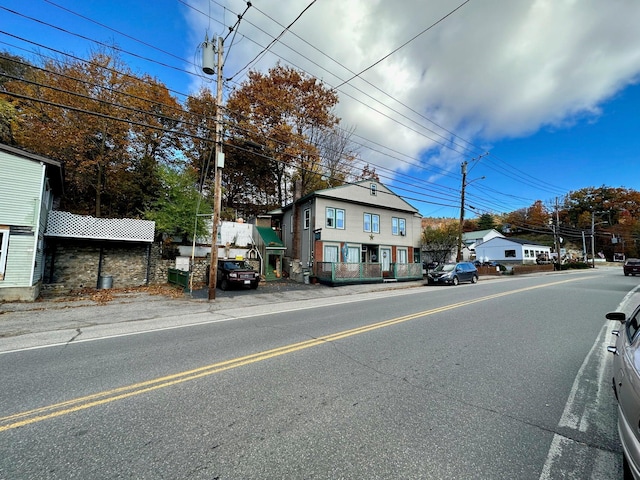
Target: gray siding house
[
  {"x": 355, "y": 233},
  {"x": 28, "y": 185}
]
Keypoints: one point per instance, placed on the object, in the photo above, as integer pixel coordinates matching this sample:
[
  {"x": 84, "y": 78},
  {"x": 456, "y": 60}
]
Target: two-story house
[
  {"x": 28, "y": 184},
  {"x": 355, "y": 233}
]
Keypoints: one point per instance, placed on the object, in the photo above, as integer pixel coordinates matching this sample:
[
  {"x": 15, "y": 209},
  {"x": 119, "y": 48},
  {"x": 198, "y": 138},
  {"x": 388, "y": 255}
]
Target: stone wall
[
  {"x": 76, "y": 263},
  {"x": 72, "y": 264}
]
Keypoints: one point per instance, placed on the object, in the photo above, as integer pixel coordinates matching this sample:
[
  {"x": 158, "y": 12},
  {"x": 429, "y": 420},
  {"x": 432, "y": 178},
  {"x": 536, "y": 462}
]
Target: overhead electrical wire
[{"x": 165, "y": 52}]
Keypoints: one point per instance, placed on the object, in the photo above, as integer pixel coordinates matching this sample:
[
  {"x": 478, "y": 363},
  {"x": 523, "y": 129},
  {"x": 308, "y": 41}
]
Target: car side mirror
[{"x": 617, "y": 316}]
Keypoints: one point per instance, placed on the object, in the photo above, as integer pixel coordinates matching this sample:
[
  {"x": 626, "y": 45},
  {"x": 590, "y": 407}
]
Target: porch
[{"x": 342, "y": 273}]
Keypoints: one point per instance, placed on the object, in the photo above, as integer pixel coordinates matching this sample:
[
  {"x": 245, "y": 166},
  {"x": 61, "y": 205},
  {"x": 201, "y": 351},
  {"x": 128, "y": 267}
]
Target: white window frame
[
  {"x": 398, "y": 226},
  {"x": 375, "y": 223},
  {"x": 366, "y": 222},
  {"x": 334, "y": 218},
  {"x": 4, "y": 247},
  {"x": 340, "y": 218},
  {"x": 402, "y": 255},
  {"x": 330, "y": 217},
  {"x": 373, "y": 189},
  {"x": 331, "y": 251}
]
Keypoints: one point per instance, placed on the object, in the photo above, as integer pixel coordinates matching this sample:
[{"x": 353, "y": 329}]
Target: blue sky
[{"x": 548, "y": 88}]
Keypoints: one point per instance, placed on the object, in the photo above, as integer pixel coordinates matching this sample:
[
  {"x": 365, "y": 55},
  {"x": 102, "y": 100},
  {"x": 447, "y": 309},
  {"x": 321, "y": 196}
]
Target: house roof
[
  {"x": 270, "y": 238},
  {"x": 470, "y": 236},
  {"x": 349, "y": 193},
  {"x": 519, "y": 241},
  {"x": 54, "y": 167}
]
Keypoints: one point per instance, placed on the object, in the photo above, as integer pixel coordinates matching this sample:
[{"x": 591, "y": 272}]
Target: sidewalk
[{"x": 118, "y": 312}]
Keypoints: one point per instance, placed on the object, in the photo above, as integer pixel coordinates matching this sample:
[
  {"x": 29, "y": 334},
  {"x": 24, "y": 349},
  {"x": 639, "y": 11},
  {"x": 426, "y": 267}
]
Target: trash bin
[
  {"x": 306, "y": 277},
  {"x": 105, "y": 281}
]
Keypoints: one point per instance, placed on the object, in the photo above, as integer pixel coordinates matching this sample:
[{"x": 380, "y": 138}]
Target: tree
[
  {"x": 176, "y": 211},
  {"x": 486, "y": 222},
  {"x": 105, "y": 124},
  {"x": 439, "y": 243},
  {"x": 287, "y": 113}
]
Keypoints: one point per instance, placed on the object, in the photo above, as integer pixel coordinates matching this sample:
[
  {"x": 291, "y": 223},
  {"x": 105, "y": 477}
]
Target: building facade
[
  {"x": 363, "y": 230},
  {"x": 29, "y": 185}
]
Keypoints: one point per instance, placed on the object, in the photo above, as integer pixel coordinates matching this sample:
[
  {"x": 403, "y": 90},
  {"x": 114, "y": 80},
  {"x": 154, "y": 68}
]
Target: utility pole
[
  {"x": 464, "y": 184},
  {"x": 219, "y": 165},
  {"x": 556, "y": 231},
  {"x": 593, "y": 239}
]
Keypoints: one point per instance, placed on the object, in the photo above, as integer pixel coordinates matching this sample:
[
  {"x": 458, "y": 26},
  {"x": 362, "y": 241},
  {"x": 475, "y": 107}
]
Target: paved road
[{"x": 482, "y": 381}]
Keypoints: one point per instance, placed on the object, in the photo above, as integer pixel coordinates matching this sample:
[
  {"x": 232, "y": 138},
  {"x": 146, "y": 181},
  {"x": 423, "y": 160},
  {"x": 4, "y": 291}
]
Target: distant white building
[{"x": 512, "y": 250}]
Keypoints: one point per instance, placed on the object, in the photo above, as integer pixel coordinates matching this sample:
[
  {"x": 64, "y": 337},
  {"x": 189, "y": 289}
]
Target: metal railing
[{"x": 344, "y": 272}]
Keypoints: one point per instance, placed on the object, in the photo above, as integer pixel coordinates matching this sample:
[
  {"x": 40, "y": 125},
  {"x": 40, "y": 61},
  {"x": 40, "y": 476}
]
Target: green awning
[{"x": 270, "y": 238}]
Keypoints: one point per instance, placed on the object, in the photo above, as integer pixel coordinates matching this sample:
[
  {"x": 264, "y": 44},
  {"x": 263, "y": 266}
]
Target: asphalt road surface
[{"x": 505, "y": 379}]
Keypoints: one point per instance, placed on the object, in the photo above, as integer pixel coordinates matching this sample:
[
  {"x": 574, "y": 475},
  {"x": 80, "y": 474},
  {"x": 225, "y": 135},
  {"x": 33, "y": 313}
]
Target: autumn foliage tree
[
  {"x": 108, "y": 127},
  {"x": 285, "y": 112}
]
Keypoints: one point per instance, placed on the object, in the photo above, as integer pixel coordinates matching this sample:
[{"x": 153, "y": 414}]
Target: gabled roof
[
  {"x": 479, "y": 234},
  {"x": 358, "y": 192}
]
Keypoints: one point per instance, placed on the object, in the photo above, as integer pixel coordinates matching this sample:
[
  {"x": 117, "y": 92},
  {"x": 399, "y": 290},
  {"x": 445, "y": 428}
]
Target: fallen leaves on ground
[{"x": 103, "y": 296}]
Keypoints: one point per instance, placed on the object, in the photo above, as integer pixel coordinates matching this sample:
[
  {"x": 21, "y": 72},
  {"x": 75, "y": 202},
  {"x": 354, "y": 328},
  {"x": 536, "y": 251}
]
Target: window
[
  {"x": 398, "y": 226},
  {"x": 307, "y": 219},
  {"x": 4, "y": 246},
  {"x": 331, "y": 217},
  {"x": 330, "y": 253},
  {"x": 402, "y": 256},
  {"x": 335, "y": 218},
  {"x": 374, "y": 189},
  {"x": 509, "y": 254},
  {"x": 353, "y": 255},
  {"x": 340, "y": 219},
  {"x": 526, "y": 253},
  {"x": 371, "y": 223}
]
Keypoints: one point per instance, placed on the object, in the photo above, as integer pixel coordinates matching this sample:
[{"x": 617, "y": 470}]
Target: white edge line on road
[{"x": 569, "y": 418}]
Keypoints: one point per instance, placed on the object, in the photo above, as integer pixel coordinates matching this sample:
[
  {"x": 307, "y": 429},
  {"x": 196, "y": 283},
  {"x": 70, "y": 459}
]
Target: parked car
[
  {"x": 236, "y": 273},
  {"x": 453, "y": 273},
  {"x": 626, "y": 387},
  {"x": 631, "y": 266}
]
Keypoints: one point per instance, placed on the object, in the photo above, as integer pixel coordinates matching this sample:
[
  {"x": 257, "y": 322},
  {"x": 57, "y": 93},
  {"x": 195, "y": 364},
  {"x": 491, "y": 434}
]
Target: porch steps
[{"x": 389, "y": 280}]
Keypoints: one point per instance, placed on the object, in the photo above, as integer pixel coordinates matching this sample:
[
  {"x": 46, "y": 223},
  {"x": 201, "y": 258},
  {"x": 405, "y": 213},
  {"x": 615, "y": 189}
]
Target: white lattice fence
[{"x": 69, "y": 225}]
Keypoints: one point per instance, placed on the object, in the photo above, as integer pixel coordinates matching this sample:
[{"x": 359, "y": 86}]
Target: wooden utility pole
[
  {"x": 219, "y": 164},
  {"x": 464, "y": 184}
]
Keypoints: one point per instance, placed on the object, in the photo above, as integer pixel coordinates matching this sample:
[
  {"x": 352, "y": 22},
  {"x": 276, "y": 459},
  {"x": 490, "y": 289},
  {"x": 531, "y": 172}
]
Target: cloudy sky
[{"x": 539, "y": 97}]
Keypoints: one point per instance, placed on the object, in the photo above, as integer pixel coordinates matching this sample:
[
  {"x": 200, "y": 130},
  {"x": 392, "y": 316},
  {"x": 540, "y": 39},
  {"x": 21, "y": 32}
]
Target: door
[{"x": 385, "y": 258}]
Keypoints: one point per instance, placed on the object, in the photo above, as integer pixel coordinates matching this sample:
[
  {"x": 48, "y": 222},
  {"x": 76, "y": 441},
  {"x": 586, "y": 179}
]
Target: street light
[{"x": 464, "y": 185}]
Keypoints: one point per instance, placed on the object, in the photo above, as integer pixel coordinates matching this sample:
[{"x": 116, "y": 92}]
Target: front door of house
[{"x": 385, "y": 258}]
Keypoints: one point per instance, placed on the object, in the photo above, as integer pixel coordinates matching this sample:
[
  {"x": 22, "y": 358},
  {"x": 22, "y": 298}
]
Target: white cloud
[{"x": 494, "y": 69}]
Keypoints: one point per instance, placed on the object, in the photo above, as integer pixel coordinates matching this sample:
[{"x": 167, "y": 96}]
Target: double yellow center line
[{"x": 82, "y": 403}]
